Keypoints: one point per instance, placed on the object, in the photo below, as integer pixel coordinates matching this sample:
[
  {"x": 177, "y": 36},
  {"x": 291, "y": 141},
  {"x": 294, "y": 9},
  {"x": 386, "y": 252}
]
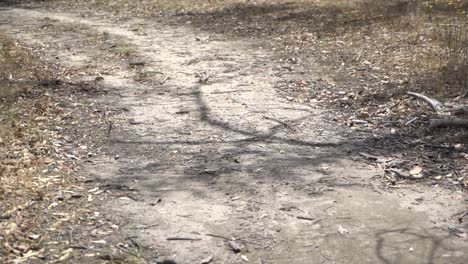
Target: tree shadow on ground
[
  {"x": 215, "y": 160},
  {"x": 279, "y": 18},
  {"x": 393, "y": 245}
]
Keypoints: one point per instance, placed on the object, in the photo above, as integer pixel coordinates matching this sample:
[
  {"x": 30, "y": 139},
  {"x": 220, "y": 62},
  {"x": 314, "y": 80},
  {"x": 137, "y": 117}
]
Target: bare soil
[{"x": 188, "y": 163}]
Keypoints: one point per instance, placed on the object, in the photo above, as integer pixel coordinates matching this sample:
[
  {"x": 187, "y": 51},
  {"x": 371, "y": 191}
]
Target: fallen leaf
[
  {"x": 341, "y": 230},
  {"x": 415, "y": 170}
]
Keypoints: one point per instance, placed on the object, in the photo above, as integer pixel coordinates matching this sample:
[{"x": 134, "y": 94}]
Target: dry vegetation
[
  {"x": 40, "y": 195},
  {"x": 30, "y": 170},
  {"x": 47, "y": 210},
  {"x": 372, "y": 52},
  {"x": 406, "y": 44}
]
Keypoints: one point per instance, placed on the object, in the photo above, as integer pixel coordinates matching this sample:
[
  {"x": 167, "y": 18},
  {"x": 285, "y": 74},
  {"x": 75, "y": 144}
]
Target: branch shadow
[
  {"x": 404, "y": 245},
  {"x": 259, "y": 19}
]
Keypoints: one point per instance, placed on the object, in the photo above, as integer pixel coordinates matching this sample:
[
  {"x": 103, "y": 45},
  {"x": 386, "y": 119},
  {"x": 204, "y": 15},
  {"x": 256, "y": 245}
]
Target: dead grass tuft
[{"x": 454, "y": 36}]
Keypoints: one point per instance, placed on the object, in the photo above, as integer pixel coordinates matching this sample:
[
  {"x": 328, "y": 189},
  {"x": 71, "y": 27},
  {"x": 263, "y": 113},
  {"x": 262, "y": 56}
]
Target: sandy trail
[{"x": 231, "y": 157}]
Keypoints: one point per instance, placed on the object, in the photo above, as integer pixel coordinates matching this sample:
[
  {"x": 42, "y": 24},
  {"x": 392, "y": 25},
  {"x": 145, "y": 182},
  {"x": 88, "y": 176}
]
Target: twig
[
  {"x": 144, "y": 227},
  {"x": 182, "y": 239},
  {"x": 306, "y": 218},
  {"x": 165, "y": 80},
  {"x": 411, "y": 121},
  {"x": 110, "y": 125},
  {"x": 314, "y": 221},
  {"x": 279, "y": 121},
  {"x": 234, "y": 91}
]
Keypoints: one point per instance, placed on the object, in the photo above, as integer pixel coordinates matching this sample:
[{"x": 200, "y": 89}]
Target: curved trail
[{"x": 231, "y": 157}]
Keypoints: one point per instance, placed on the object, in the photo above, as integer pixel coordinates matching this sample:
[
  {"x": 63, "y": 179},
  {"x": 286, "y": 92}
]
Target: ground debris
[
  {"x": 234, "y": 246},
  {"x": 207, "y": 260}
]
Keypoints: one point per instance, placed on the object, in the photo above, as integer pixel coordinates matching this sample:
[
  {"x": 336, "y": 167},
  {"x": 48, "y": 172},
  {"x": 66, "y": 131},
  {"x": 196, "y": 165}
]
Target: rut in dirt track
[{"x": 231, "y": 157}]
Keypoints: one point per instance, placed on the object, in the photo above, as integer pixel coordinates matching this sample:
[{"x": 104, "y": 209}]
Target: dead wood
[
  {"x": 137, "y": 63},
  {"x": 434, "y": 104},
  {"x": 440, "y": 107},
  {"x": 404, "y": 175},
  {"x": 434, "y": 123}
]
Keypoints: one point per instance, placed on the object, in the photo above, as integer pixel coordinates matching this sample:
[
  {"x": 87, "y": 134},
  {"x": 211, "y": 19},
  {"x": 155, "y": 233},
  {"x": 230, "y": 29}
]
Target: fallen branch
[
  {"x": 438, "y": 106},
  {"x": 434, "y": 104},
  {"x": 434, "y": 123}
]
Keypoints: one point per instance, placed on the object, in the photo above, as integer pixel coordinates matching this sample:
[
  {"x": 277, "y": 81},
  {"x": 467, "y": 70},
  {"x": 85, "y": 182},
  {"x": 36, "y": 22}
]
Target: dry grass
[
  {"x": 401, "y": 37},
  {"x": 454, "y": 36},
  {"x": 123, "y": 48},
  {"x": 41, "y": 199}
]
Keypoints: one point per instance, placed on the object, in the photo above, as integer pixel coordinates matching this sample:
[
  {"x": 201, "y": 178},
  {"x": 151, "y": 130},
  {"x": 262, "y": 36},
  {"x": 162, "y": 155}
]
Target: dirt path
[{"x": 230, "y": 157}]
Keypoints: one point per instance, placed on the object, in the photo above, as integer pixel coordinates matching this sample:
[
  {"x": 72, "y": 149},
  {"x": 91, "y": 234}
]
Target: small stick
[
  {"x": 305, "y": 218},
  {"x": 143, "y": 227},
  {"x": 109, "y": 127},
  {"x": 165, "y": 80},
  {"x": 182, "y": 239},
  {"x": 279, "y": 121},
  {"x": 234, "y": 91},
  {"x": 411, "y": 121},
  {"x": 314, "y": 221}
]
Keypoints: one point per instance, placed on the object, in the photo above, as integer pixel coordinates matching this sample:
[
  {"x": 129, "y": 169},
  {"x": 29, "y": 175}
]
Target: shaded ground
[{"x": 230, "y": 157}]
